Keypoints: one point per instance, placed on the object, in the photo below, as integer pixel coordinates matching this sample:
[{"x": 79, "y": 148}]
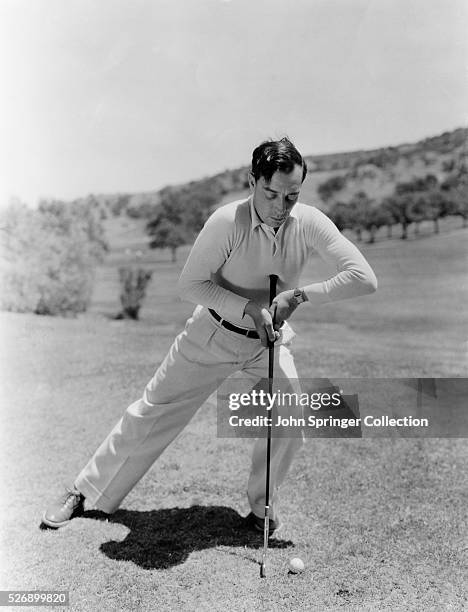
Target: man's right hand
[{"x": 263, "y": 322}]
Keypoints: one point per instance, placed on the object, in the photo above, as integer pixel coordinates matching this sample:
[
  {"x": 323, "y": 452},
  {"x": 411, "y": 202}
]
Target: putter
[{"x": 271, "y": 360}]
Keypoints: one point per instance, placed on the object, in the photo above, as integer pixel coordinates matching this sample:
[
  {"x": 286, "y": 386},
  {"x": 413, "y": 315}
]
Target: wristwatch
[{"x": 300, "y": 296}]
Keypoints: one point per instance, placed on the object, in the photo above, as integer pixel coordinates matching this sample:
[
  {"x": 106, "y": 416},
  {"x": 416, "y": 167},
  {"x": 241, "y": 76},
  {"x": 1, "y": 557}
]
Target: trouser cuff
[{"x": 95, "y": 498}]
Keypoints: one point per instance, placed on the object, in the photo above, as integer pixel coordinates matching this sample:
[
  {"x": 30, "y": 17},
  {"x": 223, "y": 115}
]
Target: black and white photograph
[{"x": 233, "y": 322}]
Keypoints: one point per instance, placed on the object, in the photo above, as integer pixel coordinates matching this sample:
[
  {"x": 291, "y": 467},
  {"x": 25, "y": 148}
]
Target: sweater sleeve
[
  {"x": 209, "y": 252},
  {"x": 354, "y": 275}
]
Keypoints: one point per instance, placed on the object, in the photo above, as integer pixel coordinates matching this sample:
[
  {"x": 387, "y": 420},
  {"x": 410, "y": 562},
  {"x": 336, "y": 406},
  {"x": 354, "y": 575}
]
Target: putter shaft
[{"x": 271, "y": 358}]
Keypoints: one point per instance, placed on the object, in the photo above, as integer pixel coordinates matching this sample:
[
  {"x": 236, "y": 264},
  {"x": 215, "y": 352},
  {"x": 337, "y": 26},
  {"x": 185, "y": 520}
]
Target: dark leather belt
[{"x": 248, "y": 333}]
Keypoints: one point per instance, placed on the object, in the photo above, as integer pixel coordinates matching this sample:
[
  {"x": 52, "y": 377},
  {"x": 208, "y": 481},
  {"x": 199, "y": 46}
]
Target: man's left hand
[{"x": 285, "y": 304}]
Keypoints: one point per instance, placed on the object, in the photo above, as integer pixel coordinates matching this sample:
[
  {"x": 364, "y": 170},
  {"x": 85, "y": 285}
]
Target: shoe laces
[{"x": 73, "y": 497}]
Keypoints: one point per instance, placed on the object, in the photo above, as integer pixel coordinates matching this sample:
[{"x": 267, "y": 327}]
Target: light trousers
[{"x": 202, "y": 356}]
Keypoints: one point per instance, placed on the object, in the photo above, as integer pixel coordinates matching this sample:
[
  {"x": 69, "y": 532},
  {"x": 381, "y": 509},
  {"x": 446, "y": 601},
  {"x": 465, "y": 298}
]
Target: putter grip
[{"x": 273, "y": 282}]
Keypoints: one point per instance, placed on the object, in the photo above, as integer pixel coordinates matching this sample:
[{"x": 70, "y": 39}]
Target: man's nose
[{"x": 281, "y": 202}]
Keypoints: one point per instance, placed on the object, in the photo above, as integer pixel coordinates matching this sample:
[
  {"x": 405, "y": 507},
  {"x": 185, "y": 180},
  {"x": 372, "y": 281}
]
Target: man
[{"x": 227, "y": 276}]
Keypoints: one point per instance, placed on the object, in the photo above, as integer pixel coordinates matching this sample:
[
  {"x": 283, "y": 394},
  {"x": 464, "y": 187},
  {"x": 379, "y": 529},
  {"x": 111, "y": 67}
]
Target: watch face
[{"x": 298, "y": 296}]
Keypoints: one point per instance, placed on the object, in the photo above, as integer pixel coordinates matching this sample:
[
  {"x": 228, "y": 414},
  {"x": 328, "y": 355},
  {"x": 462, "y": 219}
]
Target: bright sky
[{"x": 131, "y": 95}]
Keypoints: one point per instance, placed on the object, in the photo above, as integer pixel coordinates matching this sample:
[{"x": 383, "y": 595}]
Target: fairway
[
  {"x": 414, "y": 325},
  {"x": 379, "y": 523}
]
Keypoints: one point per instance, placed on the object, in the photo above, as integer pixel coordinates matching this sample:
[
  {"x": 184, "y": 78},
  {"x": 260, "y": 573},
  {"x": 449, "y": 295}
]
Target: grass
[{"x": 379, "y": 523}]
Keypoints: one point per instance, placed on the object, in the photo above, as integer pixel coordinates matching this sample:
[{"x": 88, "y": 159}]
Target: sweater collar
[{"x": 256, "y": 221}]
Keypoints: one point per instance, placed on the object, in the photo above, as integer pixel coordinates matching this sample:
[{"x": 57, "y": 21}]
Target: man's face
[{"x": 274, "y": 200}]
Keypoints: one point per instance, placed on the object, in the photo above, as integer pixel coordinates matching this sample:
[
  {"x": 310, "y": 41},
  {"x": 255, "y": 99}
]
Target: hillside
[
  {"x": 331, "y": 178},
  {"x": 375, "y": 172}
]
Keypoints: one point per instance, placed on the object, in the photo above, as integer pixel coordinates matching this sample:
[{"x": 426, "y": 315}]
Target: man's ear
[{"x": 252, "y": 181}]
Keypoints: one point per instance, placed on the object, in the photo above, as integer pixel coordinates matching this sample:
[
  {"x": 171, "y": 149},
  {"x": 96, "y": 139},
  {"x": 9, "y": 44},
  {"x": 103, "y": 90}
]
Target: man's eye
[
  {"x": 292, "y": 198},
  {"x": 271, "y": 196}
]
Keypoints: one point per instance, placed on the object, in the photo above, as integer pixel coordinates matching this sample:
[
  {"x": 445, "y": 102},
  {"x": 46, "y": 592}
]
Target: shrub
[
  {"x": 133, "y": 284},
  {"x": 49, "y": 257}
]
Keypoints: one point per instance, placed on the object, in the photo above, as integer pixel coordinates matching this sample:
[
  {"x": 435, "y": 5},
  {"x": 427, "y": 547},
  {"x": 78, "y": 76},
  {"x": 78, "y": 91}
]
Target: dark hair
[{"x": 273, "y": 155}]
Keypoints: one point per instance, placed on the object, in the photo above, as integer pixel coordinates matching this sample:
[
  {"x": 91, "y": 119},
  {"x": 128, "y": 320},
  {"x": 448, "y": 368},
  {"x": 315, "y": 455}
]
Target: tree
[
  {"x": 359, "y": 212},
  {"x": 417, "y": 185},
  {"x": 329, "y": 187},
  {"x": 459, "y": 203},
  {"x": 375, "y": 218},
  {"x": 388, "y": 215},
  {"x": 167, "y": 234},
  {"x": 455, "y": 191},
  {"x": 339, "y": 213},
  {"x": 417, "y": 210},
  {"x": 436, "y": 207},
  {"x": 181, "y": 215},
  {"x": 424, "y": 200},
  {"x": 398, "y": 207},
  {"x": 196, "y": 213},
  {"x": 81, "y": 217}
]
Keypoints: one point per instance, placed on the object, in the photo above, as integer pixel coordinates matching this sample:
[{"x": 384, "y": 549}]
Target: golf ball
[{"x": 296, "y": 565}]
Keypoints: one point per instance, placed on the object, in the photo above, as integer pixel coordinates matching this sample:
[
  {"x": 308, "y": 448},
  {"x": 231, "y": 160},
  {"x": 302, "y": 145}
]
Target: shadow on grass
[{"x": 160, "y": 539}]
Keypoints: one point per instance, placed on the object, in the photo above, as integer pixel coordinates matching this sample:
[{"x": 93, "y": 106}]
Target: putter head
[{"x": 262, "y": 570}]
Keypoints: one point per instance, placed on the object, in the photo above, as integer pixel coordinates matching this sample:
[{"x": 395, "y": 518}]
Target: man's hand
[
  {"x": 285, "y": 305},
  {"x": 263, "y": 320}
]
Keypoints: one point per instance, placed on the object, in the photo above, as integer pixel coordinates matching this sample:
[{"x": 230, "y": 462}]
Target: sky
[{"x": 108, "y": 96}]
